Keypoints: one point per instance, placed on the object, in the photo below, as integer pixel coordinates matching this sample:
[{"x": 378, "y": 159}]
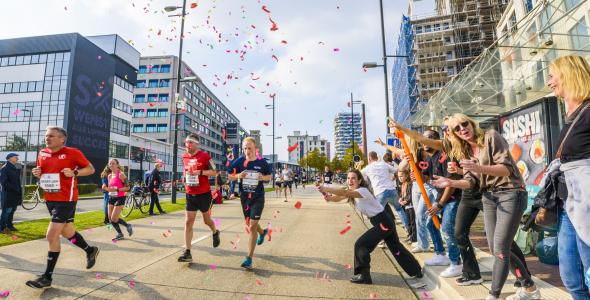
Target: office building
[
  {"x": 344, "y": 124},
  {"x": 306, "y": 143}
]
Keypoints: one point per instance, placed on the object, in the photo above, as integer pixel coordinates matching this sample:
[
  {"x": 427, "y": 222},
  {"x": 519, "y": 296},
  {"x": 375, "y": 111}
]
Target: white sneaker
[
  {"x": 491, "y": 297},
  {"x": 522, "y": 294},
  {"x": 452, "y": 271},
  {"x": 418, "y": 249},
  {"x": 438, "y": 260}
]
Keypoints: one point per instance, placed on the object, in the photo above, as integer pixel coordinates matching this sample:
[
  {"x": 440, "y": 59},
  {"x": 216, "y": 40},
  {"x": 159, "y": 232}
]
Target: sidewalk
[{"x": 307, "y": 258}]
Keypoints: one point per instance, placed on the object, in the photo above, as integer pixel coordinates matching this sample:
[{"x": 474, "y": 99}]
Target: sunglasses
[{"x": 461, "y": 126}]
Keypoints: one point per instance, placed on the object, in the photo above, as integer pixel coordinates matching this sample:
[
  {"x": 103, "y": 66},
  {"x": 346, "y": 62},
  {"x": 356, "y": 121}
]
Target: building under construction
[{"x": 438, "y": 46}]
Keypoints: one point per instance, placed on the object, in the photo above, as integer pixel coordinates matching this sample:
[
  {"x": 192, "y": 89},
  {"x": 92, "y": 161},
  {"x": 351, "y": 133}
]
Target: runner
[
  {"x": 57, "y": 168},
  {"x": 303, "y": 179},
  {"x": 198, "y": 166},
  {"x": 328, "y": 177},
  {"x": 116, "y": 187},
  {"x": 296, "y": 179},
  {"x": 287, "y": 181},
  {"x": 278, "y": 183},
  {"x": 252, "y": 173}
]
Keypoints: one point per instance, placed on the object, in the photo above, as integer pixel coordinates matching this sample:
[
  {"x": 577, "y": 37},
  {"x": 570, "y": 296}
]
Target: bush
[{"x": 83, "y": 188}]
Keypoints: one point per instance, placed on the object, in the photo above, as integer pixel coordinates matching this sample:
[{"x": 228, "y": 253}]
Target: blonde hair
[
  {"x": 250, "y": 140},
  {"x": 107, "y": 171},
  {"x": 574, "y": 74},
  {"x": 460, "y": 149}
]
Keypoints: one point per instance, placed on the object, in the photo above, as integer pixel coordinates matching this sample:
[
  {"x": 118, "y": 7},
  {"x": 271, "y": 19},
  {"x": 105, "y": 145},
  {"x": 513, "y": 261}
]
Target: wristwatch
[{"x": 75, "y": 173}]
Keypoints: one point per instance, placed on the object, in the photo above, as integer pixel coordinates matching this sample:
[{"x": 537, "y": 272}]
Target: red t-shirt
[
  {"x": 196, "y": 185},
  {"x": 56, "y": 186}
]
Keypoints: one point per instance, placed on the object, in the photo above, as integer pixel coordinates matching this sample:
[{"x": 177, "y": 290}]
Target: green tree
[
  {"x": 337, "y": 164},
  {"x": 315, "y": 160},
  {"x": 17, "y": 143},
  {"x": 347, "y": 159}
]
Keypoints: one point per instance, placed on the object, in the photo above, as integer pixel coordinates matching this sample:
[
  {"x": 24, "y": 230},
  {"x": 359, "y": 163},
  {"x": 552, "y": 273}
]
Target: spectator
[
  {"x": 405, "y": 200},
  {"x": 104, "y": 180},
  {"x": 154, "y": 186},
  {"x": 12, "y": 193}
]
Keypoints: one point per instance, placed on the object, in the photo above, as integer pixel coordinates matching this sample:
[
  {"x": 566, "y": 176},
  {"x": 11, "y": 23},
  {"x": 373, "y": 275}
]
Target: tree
[
  {"x": 315, "y": 160},
  {"x": 347, "y": 159},
  {"x": 337, "y": 164},
  {"x": 17, "y": 143}
]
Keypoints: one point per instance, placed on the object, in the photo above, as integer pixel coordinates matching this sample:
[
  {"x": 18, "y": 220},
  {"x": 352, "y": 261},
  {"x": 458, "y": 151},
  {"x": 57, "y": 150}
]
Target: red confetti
[
  {"x": 194, "y": 5},
  {"x": 213, "y": 267},
  {"x": 277, "y": 59},
  {"x": 518, "y": 274},
  {"x": 234, "y": 173},
  {"x": 336, "y": 49},
  {"x": 284, "y": 42},
  {"x": 383, "y": 227},
  {"x": 443, "y": 157},
  {"x": 265, "y": 9},
  {"x": 345, "y": 230},
  {"x": 99, "y": 94},
  {"x": 373, "y": 296},
  {"x": 160, "y": 32},
  {"x": 274, "y": 25},
  {"x": 298, "y": 204},
  {"x": 265, "y": 124},
  {"x": 423, "y": 165},
  {"x": 292, "y": 148},
  {"x": 14, "y": 237},
  {"x": 259, "y": 282}
]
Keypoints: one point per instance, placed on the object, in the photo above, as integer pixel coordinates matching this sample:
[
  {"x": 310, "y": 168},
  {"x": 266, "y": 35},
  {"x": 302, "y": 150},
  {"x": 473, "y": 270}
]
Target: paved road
[{"x": 307, "y": 258}]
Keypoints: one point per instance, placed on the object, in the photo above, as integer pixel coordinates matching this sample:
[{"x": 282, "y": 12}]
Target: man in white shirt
[
  {"x": 381, "y": 176},
  {"x": 287, "y": 181}
]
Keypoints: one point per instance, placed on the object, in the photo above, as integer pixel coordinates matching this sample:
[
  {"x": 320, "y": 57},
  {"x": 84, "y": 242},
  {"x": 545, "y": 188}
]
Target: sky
[{"x": 311, "y": 62}]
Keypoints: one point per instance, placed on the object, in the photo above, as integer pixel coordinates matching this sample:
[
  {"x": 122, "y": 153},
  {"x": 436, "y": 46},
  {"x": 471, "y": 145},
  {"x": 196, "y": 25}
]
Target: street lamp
[
  {"x": 178, "y": 74},
  {"x": 272, "y": 106},
  {"x": 352, "y": 103}
]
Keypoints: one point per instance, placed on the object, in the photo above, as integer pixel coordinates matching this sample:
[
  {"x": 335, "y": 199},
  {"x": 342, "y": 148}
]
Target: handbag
[{"x": 551, "y": 196}]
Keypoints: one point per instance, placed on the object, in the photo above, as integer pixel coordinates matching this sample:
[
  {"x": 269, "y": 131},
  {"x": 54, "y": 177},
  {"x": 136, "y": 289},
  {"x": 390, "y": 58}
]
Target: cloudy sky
[{"x": 312, "y": 62}]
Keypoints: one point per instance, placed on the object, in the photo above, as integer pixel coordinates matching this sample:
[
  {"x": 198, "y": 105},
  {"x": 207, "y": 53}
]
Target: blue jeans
[
  {"x": 574, "y": 259},
  {"x": 422, "y": 218},
  {"x": 447, "y": 227},
  {"x": 5, "y": 217},
  {"x": 106, "y": 206},
  {"x": 391, "y": 196}
]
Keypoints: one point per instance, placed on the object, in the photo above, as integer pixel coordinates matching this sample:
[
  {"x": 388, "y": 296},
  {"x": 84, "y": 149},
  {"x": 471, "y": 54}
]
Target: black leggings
[
  {"x": 469, "y": 208},
  {"x": 383, "y": 229}
]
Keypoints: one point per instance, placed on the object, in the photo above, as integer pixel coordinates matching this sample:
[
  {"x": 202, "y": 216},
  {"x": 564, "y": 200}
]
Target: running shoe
[
  {"x": 261, "y": 237},
  {"x": 491, "y": 297},
  {"x": 438, "y": 260},
  {"x": 185, "y": 257},
  {"x": 247, "y": 263},
  {"x": 119, "y": 237},
  {"x": 91, "y": 257},
  {"x": 129, "y": 229},
  {"x": 522, "y": 294},
  {"x": 216, "y": 239},
  {"x": 40, "y": 283},
  {"x": 418, "y": 249},
  {"x": 361, "y": 279},
  {"x": 452, "y": 271},
  {"x": 465, "y": 280}
]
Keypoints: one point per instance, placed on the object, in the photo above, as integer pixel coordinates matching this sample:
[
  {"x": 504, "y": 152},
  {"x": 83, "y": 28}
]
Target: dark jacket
[
  {"x": 12, "y": 193},
  {"x": 155, "y": 180}
]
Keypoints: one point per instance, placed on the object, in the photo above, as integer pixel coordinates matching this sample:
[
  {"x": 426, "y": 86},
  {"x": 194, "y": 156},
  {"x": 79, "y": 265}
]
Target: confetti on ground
[
  {"x": 259, "y": 282},
  {"x": 114, "y": 241},
  {"x": 99, "y": 276},
  {"x": 298, "y": 204},
  {"x": 14, "y": 237},
  {"x": 152, "y": 223},
  {"x": 132, "y": 283},
  {"x": 345, "y": 230},
  {"x": 347, "y": 266},
  {"x": 217, "y": 222},
  {"x": 373, "y": 296},
  {"x": 167, "y": 233},
  {"x": 4, "y": 294},
  {"x": 213, "y": 267},
  {"x": 247, "y": 298},
  {"x": 426, "y": 295}
]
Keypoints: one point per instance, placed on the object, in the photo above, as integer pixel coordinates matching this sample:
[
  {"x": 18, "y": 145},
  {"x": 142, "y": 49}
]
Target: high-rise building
[
  {"x": 256, "y": 135},
  {"x": 84, "y": 84},
  {"x": 306, "y": 143},
  {"x": 438, "y": 47},
  {"x": 200, "y": 111},
  {"x": 344, "y": 123}
]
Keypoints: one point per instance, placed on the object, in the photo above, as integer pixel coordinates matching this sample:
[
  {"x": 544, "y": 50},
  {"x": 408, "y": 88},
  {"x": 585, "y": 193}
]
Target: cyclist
[
  {"x": 58, "y": 168},
  {"x": 198, "y": 166},
  {"x": 117, "y": 186}
]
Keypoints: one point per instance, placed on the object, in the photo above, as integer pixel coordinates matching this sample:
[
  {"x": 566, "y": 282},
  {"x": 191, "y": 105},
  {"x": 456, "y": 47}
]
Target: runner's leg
[
  {"x": 188, "y": 228},
  {"x": 255, "y": 229}
]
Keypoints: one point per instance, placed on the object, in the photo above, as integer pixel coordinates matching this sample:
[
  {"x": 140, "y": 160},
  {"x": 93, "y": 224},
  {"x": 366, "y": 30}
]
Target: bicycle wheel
[
  {"x": 31, "y": 200},
  {"x": 144, "y": 205},
  {"x": 129, "y": 206}
]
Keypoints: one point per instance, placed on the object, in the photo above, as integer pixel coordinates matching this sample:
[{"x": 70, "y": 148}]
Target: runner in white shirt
[
  {"x": 287, "y": 181},
  {"x": 383, "y": 228},
  {"x": 278, "y": 183}
]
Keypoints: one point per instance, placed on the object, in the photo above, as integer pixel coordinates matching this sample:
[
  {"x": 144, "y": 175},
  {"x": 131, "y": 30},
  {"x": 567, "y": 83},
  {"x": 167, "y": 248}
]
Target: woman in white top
[{"x": 383, "y": 228}]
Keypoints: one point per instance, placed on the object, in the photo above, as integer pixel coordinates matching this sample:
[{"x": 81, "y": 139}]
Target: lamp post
[
  {"x": 175, "y": 145},
  {"x": 272, "y": 106},
  {"x": 352, "y": 103}
]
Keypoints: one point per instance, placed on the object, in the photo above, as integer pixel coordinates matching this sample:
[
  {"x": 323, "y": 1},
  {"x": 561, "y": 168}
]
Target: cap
[{"x": 10, "y": 155}]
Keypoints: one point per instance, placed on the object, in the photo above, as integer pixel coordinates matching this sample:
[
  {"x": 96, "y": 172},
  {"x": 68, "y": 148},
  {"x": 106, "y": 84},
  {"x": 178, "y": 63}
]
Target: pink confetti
[
  {"x": 373, "y": 296},
  {"x": 5, "y": 294},
  {"x": 426, "y": 295},
  {"x": 132, "y": 283},
  {"x": 336, "y": 49},
  {"x": 247, "y": 298},
  {"x": 347, "y": 266},
  {"x": 345, "y": 230},
  {"x": 277, "y": 59},
  {"x": 217, "y": 222},
  {"x": 259, "y": 282},
  {"x": 518, "y": 274},
  {"x": 14, "y": 237},
  {"x": 16, "y": 111},
  {"x": 114, "y": 241},
  {"x": 213, "y": 267},
  {"x": 73, "y": 240},
  {"x": 98, "y": 275}
]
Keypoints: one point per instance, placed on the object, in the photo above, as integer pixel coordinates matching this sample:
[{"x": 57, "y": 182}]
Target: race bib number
[
  {"x": 50, "y": 182},
  {"x": 250, "y": 181},
  {"x": 327, "y": 179},
  {"x": 192, "y": 180},
  {"x": 113, "y": 194}
]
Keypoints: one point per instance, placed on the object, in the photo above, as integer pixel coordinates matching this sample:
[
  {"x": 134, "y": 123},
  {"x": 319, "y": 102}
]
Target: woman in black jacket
[{"x": 12, "y": 194}]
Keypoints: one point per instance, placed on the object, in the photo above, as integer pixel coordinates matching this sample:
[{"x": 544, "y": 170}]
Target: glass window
[
  {"x": 67, "y": 56},
  {"x": 142, "y": 69},
  {"x": 579, "y": 35},
  {"x": 49, "y": 69},
  {"x": 150, "y": 128},
  {"x": 165, "y": 83},
  {"x": 59, "y": 56},
  {"x": 137, "y": 127},
  {"x": 152, "y": 98},
  {"x": 35, "y": 59},
  {"x": 64, "y": 68},
  {"x": 569, "y": 4},
  {"x": 23, "y": 87},
  {"x": 27, "y": 60},
  {"x": 20, "y": 60},
  {"x": 51, "y": 57},
  {"x": 165, "y": 69},
  {"x": 4, "y": 62},
  {"x": 15, "y": 87},
  {"x": 139, "y": 98},
  {"x": 153, "y": 83},
  {"x": 57, "y": 68},
  {"x": 162, "y": 127},
  {"x": 152, "y": 112},
  {"x": 162, "y": 112},
  {"x": 140, "y": 83},
  {"x": 1, "y": 88},
  {"x": 39, "y": 86},
  {"x": 156, "y": 69},
  {"x": 12, "y": 60},
  {"x": 42, "y": 58},
  {"x": 164, "y": 98}
]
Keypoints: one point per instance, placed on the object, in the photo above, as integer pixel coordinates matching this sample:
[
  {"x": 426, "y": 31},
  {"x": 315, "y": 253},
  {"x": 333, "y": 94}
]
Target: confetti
[
  {"x": 132, "y": 283},
  {"x": 345, "y": 230},
  {"x": 114, "y": 241},
  {"x": 5, "y": 294},
  {"x": 336, "y": 49},
  {"x": 277, "y": 59},
  {"x": 265, "y": 9},
  {"x": 99, "y": 276},
  {"x": 423, "y": 165},
  {"x": 194, "y": 5},
  {"x": 167, "y": 233},
  {"x": 518, "y": 274},
  {"x": 383, "y": 227},
  {"x": 284, "y": 42},
  {"x": 259, "y": 282},
  {"x": 99, "y": 94},
  {"x": 373, "y": 296},
  {"x": 347, "y": 266},
  {"x": 213, "y": 267},
  {"x": 298, "y": 204},
  {"x": 14, "y": 237},
  {"x": 73, "y": 240},
  {"x": 217, "y": 222},
  {"x": 247, "y": 298},
  {"x": 265, "y": 124},
  {"x": 426, "y": 295},
  {"x": 292, "y": 148},
  {"x": 16, "y": 111}
]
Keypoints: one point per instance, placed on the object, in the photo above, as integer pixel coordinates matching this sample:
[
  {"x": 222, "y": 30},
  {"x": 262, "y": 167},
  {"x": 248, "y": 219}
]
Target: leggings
[
  {"x": 383, "y": 229},
  {"x": 502, "y": 213}
]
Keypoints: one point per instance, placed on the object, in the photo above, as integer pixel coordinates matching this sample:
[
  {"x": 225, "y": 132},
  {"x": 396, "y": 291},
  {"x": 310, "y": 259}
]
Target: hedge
[{"x": 83, "y": 188}]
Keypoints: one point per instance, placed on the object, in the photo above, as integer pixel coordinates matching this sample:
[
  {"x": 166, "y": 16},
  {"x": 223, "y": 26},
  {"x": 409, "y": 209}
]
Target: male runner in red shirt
[
  {"x": 57, "y": 168},
  {"x": 198, "y": 166}
]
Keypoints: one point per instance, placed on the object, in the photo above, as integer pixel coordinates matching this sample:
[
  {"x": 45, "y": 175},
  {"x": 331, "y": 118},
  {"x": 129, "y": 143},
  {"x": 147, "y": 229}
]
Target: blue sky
[{"x": 319, "y": 48}]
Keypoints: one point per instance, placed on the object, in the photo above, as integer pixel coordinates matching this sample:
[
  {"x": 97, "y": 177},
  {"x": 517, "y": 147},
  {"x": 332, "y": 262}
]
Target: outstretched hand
[
  {"x": 440, "y": 182},
  {"x": 379, "y": 141}
]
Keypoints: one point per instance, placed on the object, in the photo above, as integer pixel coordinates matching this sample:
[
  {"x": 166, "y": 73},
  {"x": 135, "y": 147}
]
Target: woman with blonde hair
[
  {"x": 569, "y": 78},
  {"x": 117, "y": 187}
]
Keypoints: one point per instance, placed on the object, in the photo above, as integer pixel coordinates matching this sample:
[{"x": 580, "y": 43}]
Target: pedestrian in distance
[
  {"x": 154, "y": 184},
  {"x": 12, "y": 193},
  {"x": 105, "y": 181},
  {"x": 287, "y": 181},
  {"x": 117, "y": 187}
]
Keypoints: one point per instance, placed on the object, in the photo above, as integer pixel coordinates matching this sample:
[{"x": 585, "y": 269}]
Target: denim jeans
[
  {"x": 422, "y": 217},
  {"x": 574, "y": 259},
  {"x": 447, "y": 228},
  {"x": 391, "y": 196},
  {"x": 106, "y": 206},
  {"x": 5, "y": 221}
]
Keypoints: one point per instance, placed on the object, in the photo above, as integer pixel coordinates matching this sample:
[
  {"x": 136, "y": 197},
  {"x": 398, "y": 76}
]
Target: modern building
[
  {"x": 83, "y": 84},
  {"x": 347, "y": 128},
  {"x": 256, "y": 135},
  {"x": 438, "y": 47},
  {"x": 199, "y": 110},
  {"x": 306, "y": 143}
]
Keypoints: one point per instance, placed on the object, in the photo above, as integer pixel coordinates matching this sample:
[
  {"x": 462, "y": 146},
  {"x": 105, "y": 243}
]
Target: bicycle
[
  {"x": 30, "y": 201},
  {"x": 138, "y": 198}
]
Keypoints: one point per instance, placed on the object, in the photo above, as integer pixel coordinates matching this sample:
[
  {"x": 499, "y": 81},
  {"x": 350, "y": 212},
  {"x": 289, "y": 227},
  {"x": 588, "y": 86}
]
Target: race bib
[
  {"x": 250, "y": 181},
  {"x": 192, "y": 180},
  {"x": 113, "y": 194},
  {"x": 50, "y": 182},
  {"x": 328, "y": 179}
]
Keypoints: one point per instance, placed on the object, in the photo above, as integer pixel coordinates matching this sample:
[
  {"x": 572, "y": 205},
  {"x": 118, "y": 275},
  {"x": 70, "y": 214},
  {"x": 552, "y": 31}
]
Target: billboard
[{"x": 232, "y": 134}]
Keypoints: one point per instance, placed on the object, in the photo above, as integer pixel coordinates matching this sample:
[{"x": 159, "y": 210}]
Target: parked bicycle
[
  {"x": 136, "y": 199},
  {"x": 32, "y": 199}
]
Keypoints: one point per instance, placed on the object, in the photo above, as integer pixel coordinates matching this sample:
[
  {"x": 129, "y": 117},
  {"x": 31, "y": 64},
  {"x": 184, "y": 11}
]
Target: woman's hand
[
  {"x": 453, "y": 168},
  {"x": 441, "y": 182},
  {"x": 379, "y": 141},
  {"x": 470, "y": 166}
]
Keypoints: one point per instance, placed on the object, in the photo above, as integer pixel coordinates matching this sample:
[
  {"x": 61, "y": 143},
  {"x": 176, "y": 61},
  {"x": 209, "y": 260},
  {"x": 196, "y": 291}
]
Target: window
[
  {"x": 165, "y": 69},
  {"x": 152, "y": 98},
  {"x": 124, "y": 84},
  {"x": 153, "y": 83},
  {"x": 138, "y": 113},
  {"x": 569, "y": 4},
  {"x": 152, "y": 112},
  {"x": 124, "y": 107},
  {"x": 164, "y": 98},
  {"x": 142, "y": 69},
  {"x": 162, "y": 127},
  {"x": 150, "y": 128},
  {"x": 118, "y": 150},
  {"x": 427, "y": 28},
  {"x": 418, "y": 29},
  {"x": 140, "y": 84},
  {"x": 165, "y": 83},
  {"x": 436, "y": 27},
  {"x": 120, "y": 126},
  {"x": 162, "y": 112},
  {"x": 578, "y": 35},
  {"x": 445, "y": 26},
  {"x": 138, "y": 128},
  {"x": 155, "y": 69},
  {"x": 139, "y": 99}
]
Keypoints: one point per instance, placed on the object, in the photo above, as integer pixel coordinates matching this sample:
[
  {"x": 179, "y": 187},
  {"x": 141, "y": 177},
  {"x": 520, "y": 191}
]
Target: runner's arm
[{"x": 212, "y": 171}]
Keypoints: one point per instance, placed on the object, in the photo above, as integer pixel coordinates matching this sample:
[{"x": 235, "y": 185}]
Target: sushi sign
[{"x": 524, "y": 126}]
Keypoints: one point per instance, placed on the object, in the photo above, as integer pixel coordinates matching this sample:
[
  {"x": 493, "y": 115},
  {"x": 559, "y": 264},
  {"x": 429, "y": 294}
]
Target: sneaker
[
  {"x": 522, "y": 294},
  {"x": 91, "y": 257},
  {"x": 452, "y": 271},
  {"x": 438, "y": 260},
  {"x": 491, "y": 297},
  {"x": 119, "y": 237},
  {"x": 381, "y": 244},
  {"x": 465, "y": 280},
  {"x": 185, "y": 257},
  {"x": 418, "y": 249},
  {"x": 12, "y": 229},
  {"x": 247, "y": 263},
  {"x": 129, "y": 229},
  {"x": 40, "y": 283},
  {"x": 216, "y": 239},
  {"x": 261, "y": 237}
]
